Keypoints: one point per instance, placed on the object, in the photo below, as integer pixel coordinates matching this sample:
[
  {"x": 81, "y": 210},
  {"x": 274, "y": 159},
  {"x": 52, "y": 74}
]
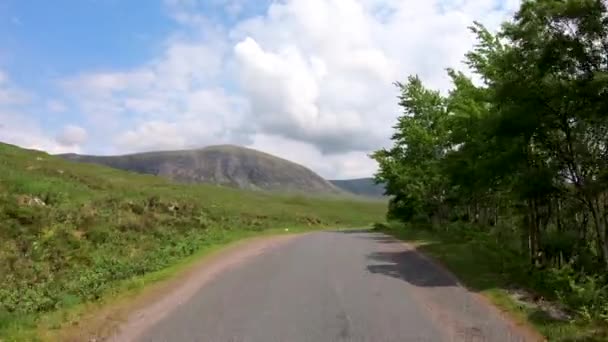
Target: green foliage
[
  {"x": 70, "y": 232},
  {"x": 410, "y": 168},
  {"x": 521, "y": 154},
  {"x": 485, "y": 263}
]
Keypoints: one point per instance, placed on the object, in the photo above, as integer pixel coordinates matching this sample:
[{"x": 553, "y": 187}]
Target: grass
[
  {"x": 101, "y": 318},
  {"x": 74, "y": 234},
  {"x": 484, "y": 265}
]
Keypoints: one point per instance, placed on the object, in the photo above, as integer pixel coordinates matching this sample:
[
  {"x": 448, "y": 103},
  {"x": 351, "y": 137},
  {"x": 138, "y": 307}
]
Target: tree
[
  {"x": 551, "y": 86},
  {"x": 411, "y": 167},
  {"x": 530, "y": 140}
]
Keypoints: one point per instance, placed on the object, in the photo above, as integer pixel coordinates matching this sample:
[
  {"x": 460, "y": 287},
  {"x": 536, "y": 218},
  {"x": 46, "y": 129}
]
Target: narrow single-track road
[{"x": 333, "y": 286}]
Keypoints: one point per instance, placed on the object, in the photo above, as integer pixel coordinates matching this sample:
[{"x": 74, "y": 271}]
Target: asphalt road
[{"x": 334, "y": 286}]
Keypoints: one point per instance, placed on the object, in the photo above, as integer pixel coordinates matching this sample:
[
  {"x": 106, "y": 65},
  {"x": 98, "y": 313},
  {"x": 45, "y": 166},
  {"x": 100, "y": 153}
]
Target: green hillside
[
  {"x": 70, "y": 231},
  {"x": 228, "y": 165}
]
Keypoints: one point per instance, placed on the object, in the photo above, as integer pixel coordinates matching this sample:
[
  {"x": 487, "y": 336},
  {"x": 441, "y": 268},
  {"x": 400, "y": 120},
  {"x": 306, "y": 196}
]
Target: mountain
[
  {"x": 78, "y": 231},
  {"x": 228, "y": 165},
  {"x": 361, "y": 186}
]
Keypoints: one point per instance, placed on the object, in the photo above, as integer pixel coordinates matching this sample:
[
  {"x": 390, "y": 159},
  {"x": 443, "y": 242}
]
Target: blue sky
[
  {"x": 68, "y": 36},
  {"x": 308, "y": 80},
  {"x": 41, "y": 43},
  {"x": 58, "y": 37}
]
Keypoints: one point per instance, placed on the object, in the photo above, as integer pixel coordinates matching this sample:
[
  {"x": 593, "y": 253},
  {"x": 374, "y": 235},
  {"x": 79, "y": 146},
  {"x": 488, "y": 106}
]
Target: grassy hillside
[
  {"x": 225, "y": 165},
  {"x": 361, "y": 186},
  {"x": 71, "y": 231}
]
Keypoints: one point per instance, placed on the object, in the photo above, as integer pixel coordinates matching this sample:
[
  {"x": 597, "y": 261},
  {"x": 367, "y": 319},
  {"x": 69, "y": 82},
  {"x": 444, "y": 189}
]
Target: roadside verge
[
  {"x": 133, "y": 305},
  {"x": 476, "y": 268}
]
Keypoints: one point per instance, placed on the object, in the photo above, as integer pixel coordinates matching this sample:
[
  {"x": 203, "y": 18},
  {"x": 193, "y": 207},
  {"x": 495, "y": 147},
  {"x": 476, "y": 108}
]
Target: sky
[{"x": 311, "y": 81}]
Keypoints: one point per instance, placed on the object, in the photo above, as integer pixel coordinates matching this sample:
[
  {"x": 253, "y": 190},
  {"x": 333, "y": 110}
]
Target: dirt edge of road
[{"x": 127, "y": 319}]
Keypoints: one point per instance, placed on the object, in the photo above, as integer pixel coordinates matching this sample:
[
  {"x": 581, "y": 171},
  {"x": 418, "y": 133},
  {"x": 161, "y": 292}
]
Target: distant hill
[
  {"x": 78, "y": 230},
  {"x": 361, "y": 186},
  {"x": 224, "y": 165}
]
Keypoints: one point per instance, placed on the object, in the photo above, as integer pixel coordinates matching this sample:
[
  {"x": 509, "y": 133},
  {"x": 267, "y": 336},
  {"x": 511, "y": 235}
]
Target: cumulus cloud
[
  {"x": 321, "y": 71},
  {"x": 284, "y": 91},
  {"x": 312, "y": 76}
]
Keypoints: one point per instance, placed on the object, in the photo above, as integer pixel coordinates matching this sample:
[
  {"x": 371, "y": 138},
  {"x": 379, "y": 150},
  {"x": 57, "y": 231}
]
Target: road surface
[{"x": 334, "y": 286}]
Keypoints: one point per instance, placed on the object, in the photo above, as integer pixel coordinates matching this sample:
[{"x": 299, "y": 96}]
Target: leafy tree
[
  {"x": 552, "y": 89},
  {"x": 411, "y": 168},
  {"x": 526, "y": 145}
]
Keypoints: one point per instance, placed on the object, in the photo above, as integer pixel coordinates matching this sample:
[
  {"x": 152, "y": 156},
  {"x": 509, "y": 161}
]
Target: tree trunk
[
  {"x": 582, "y": 226},
  {"x": 558, "y": 209},
  {"x": 533, "y": 230},
  {"x": 600, "y": 230}
]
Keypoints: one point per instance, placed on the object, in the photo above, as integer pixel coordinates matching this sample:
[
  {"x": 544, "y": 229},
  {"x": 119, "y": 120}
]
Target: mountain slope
[
  {"x": 225, "y": 165},
  {"x": 362, "y": 186},
  {"x": 72, "y": 232}
]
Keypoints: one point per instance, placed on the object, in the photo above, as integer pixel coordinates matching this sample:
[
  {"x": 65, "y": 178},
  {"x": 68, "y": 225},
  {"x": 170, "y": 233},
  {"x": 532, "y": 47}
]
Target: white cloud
[
  {"x": 361, "y": 48},
  {"x": 206, "y": 117},
  {"x": 313, "y": 76},
  {"x": 18, "y": 126},
  {"x": 347, "y": 165},
  {"x": 72, "y": 136},
  {"x": 284, "y": 91},
  {"x": 171, "y": 102}
]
